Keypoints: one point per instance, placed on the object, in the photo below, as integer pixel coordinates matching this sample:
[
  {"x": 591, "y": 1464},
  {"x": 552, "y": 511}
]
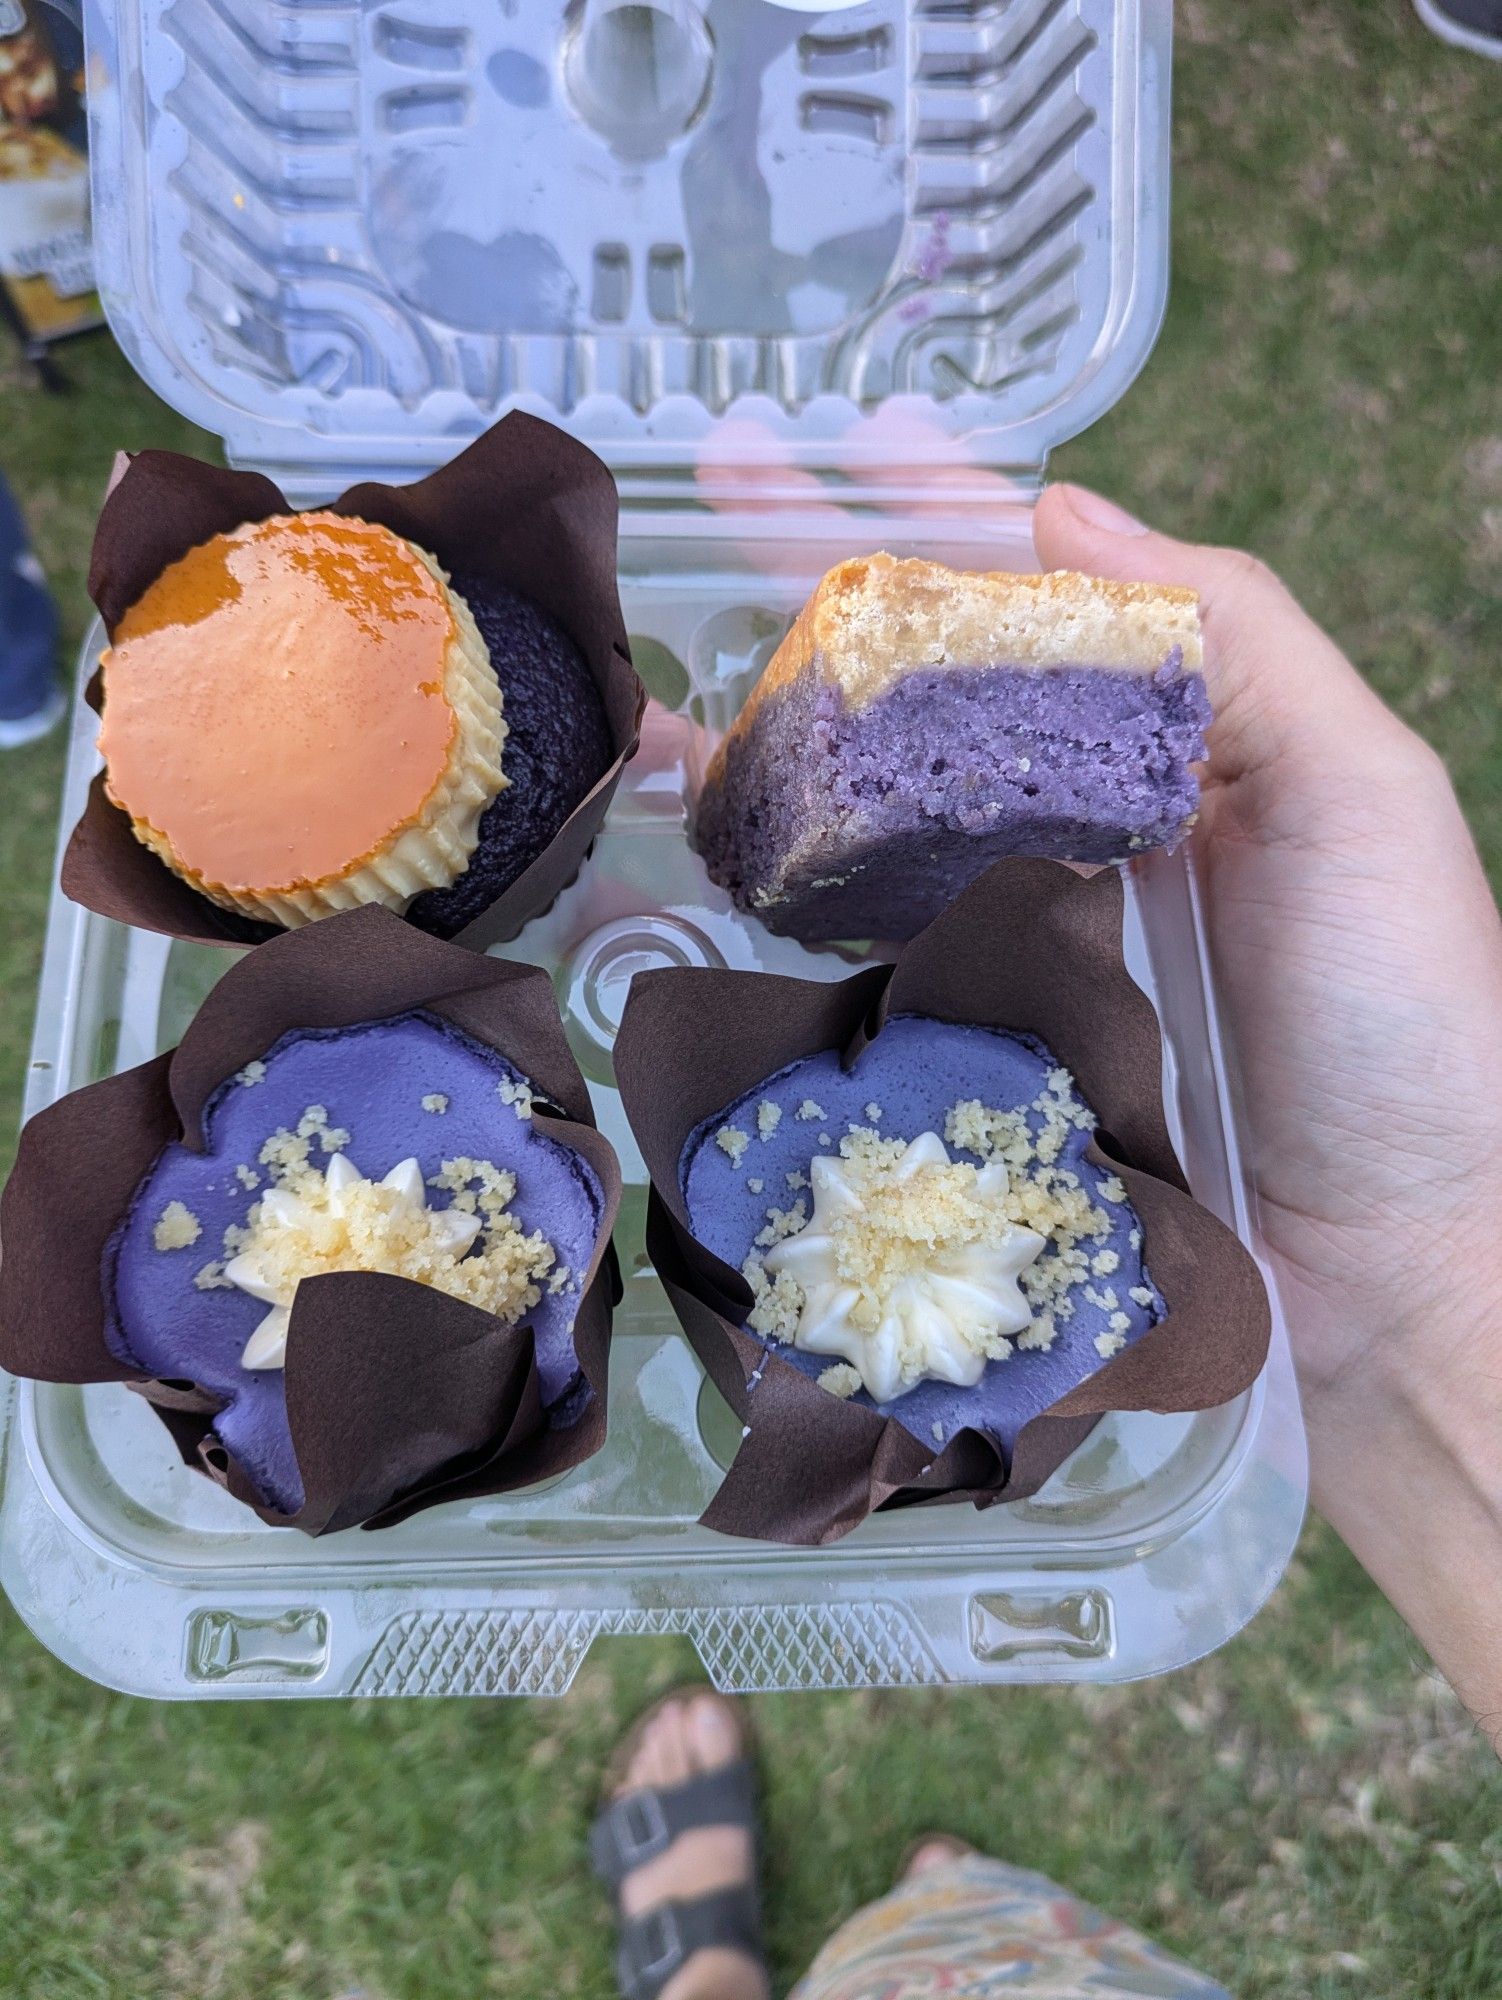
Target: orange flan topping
[{"x": 275, "y": 705}]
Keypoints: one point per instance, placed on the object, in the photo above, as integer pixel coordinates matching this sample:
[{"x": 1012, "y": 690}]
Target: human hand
[{"x": 1358, "y": 957}]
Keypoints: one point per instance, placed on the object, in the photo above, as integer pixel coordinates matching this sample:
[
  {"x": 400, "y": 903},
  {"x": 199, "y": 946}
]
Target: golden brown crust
[{"x": 875, "y": 618}]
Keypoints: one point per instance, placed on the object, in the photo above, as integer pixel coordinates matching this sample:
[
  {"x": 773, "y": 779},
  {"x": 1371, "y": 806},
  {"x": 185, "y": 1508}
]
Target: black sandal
[{"x": 639, "y": 1825}]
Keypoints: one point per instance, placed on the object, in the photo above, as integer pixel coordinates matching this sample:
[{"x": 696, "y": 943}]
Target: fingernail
[{"x": 1103, "y": 513}]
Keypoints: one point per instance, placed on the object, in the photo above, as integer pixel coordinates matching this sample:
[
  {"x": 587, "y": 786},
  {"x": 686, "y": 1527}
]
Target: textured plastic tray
[
  {"x": 1150, "y": 1547},
  {"x": 893, "y": 237}
]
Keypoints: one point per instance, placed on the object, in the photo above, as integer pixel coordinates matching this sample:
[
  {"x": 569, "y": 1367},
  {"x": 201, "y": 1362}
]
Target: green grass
[{"x": 1308, "y": 1815}]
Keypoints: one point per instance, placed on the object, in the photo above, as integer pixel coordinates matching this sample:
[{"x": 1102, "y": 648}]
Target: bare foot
[{"x": 681, "y": 1740}]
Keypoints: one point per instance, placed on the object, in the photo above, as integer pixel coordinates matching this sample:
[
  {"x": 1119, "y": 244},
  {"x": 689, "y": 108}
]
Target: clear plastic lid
[{"x": 716, "y": 239}]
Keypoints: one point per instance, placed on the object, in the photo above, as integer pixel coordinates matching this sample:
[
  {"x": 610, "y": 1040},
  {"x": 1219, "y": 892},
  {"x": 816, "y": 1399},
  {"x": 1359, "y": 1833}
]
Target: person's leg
[
  {"x": 30, "y": 698},
  {"x": 960, "y": 1924},
  {"x": 667, "y": 1786}
]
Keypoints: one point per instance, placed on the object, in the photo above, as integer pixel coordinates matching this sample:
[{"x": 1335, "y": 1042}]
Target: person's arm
[{"x": 1358, "y": 954}]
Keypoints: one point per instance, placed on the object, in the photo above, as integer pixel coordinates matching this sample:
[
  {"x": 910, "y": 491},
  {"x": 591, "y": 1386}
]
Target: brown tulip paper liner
[
  {"x": 525, "y": 505},
  {"x": 375, "y": 1438},
  {"x": 1032, "y": 947}
]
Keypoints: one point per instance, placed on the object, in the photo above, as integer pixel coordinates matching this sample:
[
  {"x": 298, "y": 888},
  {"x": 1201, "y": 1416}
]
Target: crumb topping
[
  {"x": 435, "y": 1101},
  {"x": 886, "y": 1239},
  {"x": 842, "y": 1380},
  {"x": 768, "y": 1118},
  {"x": 757, "y": 1186},
  {"x": 176, "y": 1227},
  {"x": 314, "y": 1222},
  {"x": 287, "y": 1153},
  {"x": 907, "y": 1267},
  {"x": 518, "y": 1095},
  {"x": 253, "y": 1072},
  {"x": 248, "y": 1178},
  {"x": 732, "y": 1142}
]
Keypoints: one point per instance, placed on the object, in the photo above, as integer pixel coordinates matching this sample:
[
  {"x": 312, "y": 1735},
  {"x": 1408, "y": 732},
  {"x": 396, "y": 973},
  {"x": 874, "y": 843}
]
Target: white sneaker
[
  {"x": 20, "y": 729},
  {"x": 1469, "y": 24}
]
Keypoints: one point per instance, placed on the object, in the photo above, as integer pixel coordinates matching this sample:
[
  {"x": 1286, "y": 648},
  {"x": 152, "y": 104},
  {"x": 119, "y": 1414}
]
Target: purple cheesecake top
[
  {"x": 411, "y": 1087},
  {"x": 991, "y": 1098}
]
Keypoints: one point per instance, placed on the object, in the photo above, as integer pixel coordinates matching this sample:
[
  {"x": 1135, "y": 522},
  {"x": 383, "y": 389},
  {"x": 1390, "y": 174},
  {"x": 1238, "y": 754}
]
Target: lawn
[{"x": 1308, "y": 1815}]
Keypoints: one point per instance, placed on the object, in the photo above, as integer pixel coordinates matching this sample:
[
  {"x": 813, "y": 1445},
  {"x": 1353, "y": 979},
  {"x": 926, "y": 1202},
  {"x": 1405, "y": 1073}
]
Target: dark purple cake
[
  {"x": 1004, "y": 1110},
  {"x": 557, "y": 749},
  {"x": 410, "y": 1088},
  {"x": 919, "y": 723}
]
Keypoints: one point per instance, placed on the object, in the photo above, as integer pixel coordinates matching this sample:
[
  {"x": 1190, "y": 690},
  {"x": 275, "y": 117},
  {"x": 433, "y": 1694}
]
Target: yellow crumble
[
  {"x": 253, "y": 1072},
  {"x": 808, "y": 1111},
  {"x": 518, "y": 1095},
  {"x": 757, "y": 1187},
  {"x": 248, "y": 1178},
  {"x": 783, "y": 1222},
  {"x": 842, "y": 1380},
  {"x": 435, "y": 1101},
  {"x": 176, "y": 1227},
  {"x": 732, "y": 1142},
  {"x": 372, "y": 1227},
  {"x": 1107, "y": 1344},
  {"x": 768, "y": 1118}
]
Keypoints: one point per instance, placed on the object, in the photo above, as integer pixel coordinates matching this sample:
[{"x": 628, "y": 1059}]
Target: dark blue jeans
[{"x": 28, "y": 620}]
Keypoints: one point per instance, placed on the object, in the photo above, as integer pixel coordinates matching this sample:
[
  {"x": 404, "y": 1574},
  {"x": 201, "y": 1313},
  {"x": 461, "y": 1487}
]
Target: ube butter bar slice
[{"x": 919, "y": 723}]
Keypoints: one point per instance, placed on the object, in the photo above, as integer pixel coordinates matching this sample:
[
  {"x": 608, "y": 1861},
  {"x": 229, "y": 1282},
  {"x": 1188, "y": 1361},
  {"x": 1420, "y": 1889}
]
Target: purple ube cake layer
[
  {"x": 371, "y": 1080},
  {"x": 829, "y": 822},
  {"x": 915, "y": 1070},
  {"x": 557, "y": 749}
]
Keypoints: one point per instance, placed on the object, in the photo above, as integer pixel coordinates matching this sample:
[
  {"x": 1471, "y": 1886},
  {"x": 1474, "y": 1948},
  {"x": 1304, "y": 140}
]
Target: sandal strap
[
  {"x": 640, "y": 1825},
  {"x": 657, "y": 1944}
]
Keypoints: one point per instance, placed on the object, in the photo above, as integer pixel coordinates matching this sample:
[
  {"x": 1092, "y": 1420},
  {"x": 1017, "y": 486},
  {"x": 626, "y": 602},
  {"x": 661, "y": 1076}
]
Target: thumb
[{"x": 1281, "y": 690}]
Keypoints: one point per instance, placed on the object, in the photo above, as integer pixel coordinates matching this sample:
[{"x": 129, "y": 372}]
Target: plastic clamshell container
[{"x": 818, "y": 280}]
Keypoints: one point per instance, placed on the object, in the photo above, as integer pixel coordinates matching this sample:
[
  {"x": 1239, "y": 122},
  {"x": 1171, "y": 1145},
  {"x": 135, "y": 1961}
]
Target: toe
[
  {"x": 713, "y": 1738},
  {"x": 673, "y": 1744}
]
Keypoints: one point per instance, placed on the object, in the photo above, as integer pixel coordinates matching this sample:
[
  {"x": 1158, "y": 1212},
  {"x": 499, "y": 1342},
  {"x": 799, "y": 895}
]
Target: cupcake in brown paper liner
[
  {"x": 925, "y": 1226},
  {"x": 420, "y": 697},
  {"x": 351, "y": 1238}
]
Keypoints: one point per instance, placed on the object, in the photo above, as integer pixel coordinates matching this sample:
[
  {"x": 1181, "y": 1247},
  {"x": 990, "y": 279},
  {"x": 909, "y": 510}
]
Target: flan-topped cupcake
[
  {"x": 922, "y": 1230},
  {"x": 300, "y": 717},
  {"x": 919, "y": 723},
  {"x": 401, "y": 1146}
]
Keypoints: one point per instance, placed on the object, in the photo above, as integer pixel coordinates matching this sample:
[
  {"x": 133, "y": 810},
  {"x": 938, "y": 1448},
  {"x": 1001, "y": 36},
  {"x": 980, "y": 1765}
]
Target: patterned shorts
[{"x": 977, "y": 1927}]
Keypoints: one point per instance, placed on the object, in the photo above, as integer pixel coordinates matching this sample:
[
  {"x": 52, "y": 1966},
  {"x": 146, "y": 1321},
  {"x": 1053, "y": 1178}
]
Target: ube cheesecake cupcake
[
  {"x": 921, "y": 1228},
  {"x": 919, "y": 723},
  {"x": 418, "y": 698},
  {"x": 924, "y": 1226},
  {"x": 400, "y": 1146},
  {"x": 351, "y": 1238}
]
